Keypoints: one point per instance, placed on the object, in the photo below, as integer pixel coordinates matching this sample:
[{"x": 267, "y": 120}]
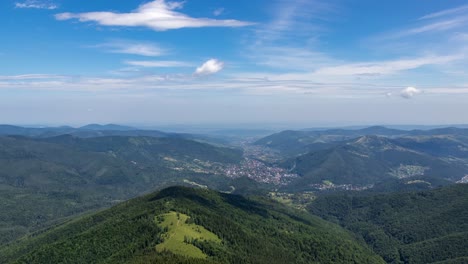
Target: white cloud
[
  {"x": 218, "y": 11},
  {"x": 36, "y": 4},
  {"x": 210, "y": 67},
  {"x": 158, "y": 15},
  {"x": 142, "y": 49},
  {"x": 410, "y": 92},
  {"x": 158, "y": 64}
]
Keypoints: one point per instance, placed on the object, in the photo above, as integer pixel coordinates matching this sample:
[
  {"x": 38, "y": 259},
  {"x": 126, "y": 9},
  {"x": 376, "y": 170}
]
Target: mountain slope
[
  {"x": 242, "y": 231},
  {"x": 368, "y": 160},
  {"x": 414, "y": 227}
]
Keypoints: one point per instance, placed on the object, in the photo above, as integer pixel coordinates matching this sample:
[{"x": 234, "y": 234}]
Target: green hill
[
  {"x": 414, "y": 227},
  {"x": 43, "y": 180},
  {"x": 216, "y": 228}
]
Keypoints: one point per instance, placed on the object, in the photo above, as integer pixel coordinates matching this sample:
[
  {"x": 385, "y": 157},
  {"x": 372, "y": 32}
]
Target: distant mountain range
[
  {"x": 92, "y": 130},
  {"x": 95, "y": 130},
  {"x": 107, "y": 127},
  {"x": 291, "y": 143}
]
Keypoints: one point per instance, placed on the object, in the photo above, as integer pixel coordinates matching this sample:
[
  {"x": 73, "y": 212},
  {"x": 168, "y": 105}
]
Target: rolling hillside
[{"x": 183, "y": 225}]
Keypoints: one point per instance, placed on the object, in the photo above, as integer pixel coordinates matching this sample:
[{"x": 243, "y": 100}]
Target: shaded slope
[{"x": 415, "y": 227}]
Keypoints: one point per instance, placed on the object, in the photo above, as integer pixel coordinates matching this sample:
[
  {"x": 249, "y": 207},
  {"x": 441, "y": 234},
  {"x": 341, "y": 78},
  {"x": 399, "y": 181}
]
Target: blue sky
[{"x": 302, "y": 62}]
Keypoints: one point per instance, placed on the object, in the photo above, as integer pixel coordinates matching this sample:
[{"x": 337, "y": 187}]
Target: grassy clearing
[
  {"x": 297, "y": 200},
  {"x": 179, "y": 233}
]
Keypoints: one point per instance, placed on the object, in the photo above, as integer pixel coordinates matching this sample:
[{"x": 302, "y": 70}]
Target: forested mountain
[
  {"x": 42, "y": 180},
  {"x": 182, "y": 225},
  {"x": 415, "y": 227},
  {"x": 372, "y": 159},
  {"x": 291, "y": 143}
]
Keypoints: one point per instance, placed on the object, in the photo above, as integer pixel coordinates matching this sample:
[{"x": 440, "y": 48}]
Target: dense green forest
[
  {"x": 251, "y": 231},
  {"x": 414, "y": 227}
]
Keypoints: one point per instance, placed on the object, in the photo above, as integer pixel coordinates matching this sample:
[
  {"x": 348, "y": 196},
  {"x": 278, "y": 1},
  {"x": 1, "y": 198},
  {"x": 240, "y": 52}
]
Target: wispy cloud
[
  {"x": 247, "y": 85},
  {"x": 210, "y": 67},
  {"x": 285, "y": 57},
  {"x": 36, "y": 4},
  {"x": 439, "y": 22},
  {"x": 133, "y": 48},
  {"x": 218, "y": 11},
  {"x": 158, "y": 15},
  {"x": 386, "y": 67},
  {"x": 442, "y": 25},
  {"x": 451, "y": 11},
  {"x": 289, "y": 40},
  {"x": 31, "y": 77},
  {"x": 290, "y": 18},
  {"x": 158, "y": 64}
]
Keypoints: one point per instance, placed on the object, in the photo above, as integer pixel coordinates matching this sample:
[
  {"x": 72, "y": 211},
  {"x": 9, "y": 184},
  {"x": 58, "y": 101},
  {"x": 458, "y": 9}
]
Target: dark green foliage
[
  {"x": 414, "y": 227},
  {"x": 252, "y": 231}
]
